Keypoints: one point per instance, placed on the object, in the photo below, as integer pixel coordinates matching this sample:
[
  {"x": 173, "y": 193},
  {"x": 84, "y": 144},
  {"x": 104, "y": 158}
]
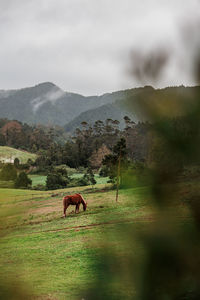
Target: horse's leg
[
  {"x": 77, "y": 208},
  {"x": 64, "y": 211}
]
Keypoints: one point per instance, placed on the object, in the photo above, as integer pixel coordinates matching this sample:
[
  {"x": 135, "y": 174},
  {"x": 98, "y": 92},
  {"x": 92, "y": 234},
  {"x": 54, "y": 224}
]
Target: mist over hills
[
  {"x": 47, "y": 104},
  {"x": 44, "y": 103}
]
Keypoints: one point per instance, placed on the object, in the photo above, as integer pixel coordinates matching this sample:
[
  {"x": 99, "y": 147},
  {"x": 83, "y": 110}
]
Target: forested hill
[
  {"x": 142, "y": 104},
  {"x": 44, "y": 103},
  {"x": 113, "y": 111},
  {"x": 48, "y": 104}
]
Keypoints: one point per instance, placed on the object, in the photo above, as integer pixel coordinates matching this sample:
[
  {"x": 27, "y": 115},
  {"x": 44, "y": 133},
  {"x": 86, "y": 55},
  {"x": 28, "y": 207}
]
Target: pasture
[
  {"x": 55, "y": 258},
  {"x": 38, "y": 179},
  {"x": 41, "y": 179},
  {"x": 9, "y": 153}
]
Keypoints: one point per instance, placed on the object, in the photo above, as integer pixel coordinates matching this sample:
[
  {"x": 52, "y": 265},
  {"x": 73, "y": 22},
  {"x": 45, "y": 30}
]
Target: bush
[
  {"x": 23, "y": 181},
  {"x": 104, "y": 172},
  {"x": 70, "y": 171},
  {"x": 22, "y": 166},
  {"x": 57, "y": 179},
  {"x": 16, "y": 162},
  {"x": 81, "y": 169},
  {"x": 76, "y": 182},
  {"x": 89, "y": 177},
  {"x": 8, "y": 172},
  {"x": 39, "y": 187},
  {"x": 30, "y": 162},
  {"x": 41, "y": 170},
  {"x": 83, "y": 181},
  {"x": 86, "y": 179}
]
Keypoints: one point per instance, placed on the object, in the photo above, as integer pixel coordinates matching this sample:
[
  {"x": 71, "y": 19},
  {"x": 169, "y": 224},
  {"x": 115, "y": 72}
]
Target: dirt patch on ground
[
  {"x": 51, "y": 209},
  {"x": 45, "y": 210},
  {"x": 90, "y": 226}
]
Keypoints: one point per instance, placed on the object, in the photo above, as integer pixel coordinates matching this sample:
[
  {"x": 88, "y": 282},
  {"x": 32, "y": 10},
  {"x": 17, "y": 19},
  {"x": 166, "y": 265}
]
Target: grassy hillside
[
  {"x": 55, "y": 258},
  {"x": 11, "y": 153}
]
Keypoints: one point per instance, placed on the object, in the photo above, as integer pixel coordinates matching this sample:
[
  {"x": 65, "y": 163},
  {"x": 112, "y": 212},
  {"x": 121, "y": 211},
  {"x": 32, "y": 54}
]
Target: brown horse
[{"x": 76, "y": 199}]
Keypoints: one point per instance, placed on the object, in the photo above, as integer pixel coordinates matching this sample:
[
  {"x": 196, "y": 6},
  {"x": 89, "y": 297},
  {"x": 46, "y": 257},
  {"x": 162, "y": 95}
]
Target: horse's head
[{"x": 85, "y": 206}]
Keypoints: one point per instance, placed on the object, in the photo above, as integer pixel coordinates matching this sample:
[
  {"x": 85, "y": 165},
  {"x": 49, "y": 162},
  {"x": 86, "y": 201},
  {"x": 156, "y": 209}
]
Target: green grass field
[
  {"x": 50, "y": 254},
  {"x": 55, "y": 258},
  {"x": 99, "y": 179},
  {"x": 6, "y": 184},
  {"x": 38, "y": 179},
  {"x": 11, "y": 153},
  {"x": 41, "y": 179}
]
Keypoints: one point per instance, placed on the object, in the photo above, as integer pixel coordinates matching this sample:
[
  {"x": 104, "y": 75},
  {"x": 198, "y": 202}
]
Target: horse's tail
[{"x": 83, "y": 202}]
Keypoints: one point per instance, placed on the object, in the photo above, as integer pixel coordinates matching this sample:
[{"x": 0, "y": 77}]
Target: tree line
[{"x": 138, "y": 147}]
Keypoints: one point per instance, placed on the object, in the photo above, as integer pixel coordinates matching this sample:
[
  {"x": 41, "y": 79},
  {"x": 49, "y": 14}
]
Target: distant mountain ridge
[
  {"x": 47, "y": 104},
  {"x": 44, "y": 103}
]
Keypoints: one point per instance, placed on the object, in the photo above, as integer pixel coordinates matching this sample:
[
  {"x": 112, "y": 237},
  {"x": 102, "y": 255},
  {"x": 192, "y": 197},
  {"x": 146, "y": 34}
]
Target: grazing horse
[{"x": 76, "y": 199}]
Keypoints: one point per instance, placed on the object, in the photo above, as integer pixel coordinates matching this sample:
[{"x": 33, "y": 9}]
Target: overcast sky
[{"x": 84, "y": 45}]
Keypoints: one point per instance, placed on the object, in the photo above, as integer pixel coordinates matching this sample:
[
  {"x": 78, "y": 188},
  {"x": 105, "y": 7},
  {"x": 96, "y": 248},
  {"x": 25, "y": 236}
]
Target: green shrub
[
  {"x": 39, "y": 187},
  {"x": 8, "y": 172},
  {"x": 16, "y": 162},
  {"x": 23, "y": 181},
  {"x": 57, "y": 179}
]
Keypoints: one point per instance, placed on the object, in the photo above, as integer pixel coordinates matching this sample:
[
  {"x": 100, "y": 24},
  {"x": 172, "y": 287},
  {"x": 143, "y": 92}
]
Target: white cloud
[
  {"x": 52, "y": 96},
  {"x": 83, "y": 45}
]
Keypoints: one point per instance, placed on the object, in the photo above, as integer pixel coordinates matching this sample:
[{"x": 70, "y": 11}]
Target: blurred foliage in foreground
[
  {"x": 156, "y": 257},
  {"x": 163, "y": 260}
]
